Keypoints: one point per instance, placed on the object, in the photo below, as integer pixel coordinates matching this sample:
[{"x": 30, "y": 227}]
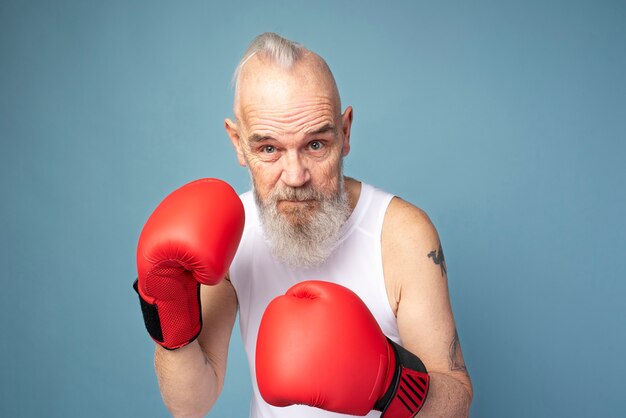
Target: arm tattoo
[
  {"x": 457, "y": 364},
  {"x": 439, "y": 259}
]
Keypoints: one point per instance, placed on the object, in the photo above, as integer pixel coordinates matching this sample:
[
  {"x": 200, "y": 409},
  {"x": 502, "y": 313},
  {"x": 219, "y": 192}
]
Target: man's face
[{"x": 292, "y": 137}]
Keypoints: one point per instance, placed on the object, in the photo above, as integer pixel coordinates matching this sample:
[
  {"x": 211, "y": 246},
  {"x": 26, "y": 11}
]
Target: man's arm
[
  {"x": 191, "y": 378},
  {"x": 417, "y": 286}
]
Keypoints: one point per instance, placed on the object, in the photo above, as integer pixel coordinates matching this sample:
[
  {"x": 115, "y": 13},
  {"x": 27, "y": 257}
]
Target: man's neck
[{"x": 353, "y": 188}]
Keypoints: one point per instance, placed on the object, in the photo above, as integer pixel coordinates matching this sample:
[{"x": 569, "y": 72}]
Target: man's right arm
[
  {"x": 183, "y": 254},
  {"x": 191, "y": 377}
]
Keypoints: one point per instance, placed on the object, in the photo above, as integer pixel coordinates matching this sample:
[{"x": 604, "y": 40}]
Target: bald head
[{"x": 276, "y": 70}]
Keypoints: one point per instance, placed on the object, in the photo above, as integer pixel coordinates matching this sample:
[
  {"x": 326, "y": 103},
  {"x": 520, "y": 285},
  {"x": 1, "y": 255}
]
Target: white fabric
[{"x": 355, "y": 263}]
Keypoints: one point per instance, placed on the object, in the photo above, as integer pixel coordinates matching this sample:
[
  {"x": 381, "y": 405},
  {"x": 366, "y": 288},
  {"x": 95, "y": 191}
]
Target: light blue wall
[{"x": 505, "y": 121}]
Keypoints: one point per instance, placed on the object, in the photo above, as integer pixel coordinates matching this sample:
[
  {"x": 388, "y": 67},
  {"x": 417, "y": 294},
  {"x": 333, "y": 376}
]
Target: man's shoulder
[
  {"x": 403, "y": 220},
  {"x": 250, "y": 209},
  {"x": 247, "y": 198},
  {"x": 408, "y": 225}
]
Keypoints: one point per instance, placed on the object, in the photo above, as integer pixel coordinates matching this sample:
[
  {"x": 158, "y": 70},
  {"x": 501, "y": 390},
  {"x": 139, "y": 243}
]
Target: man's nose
[{"x": 295, "y": 172}]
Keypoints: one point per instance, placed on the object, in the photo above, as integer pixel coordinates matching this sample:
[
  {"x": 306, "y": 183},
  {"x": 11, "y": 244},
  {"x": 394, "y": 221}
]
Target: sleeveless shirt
[{"x": 355, "y": 263}]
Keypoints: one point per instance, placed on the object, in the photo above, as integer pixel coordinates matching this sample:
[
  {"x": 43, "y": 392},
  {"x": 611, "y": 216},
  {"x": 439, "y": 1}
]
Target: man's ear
[
  {"x": 346, "y": 124},
  {"x": 233, "y": 133}
]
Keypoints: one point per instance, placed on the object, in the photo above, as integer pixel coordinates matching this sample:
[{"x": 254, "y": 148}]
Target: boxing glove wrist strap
[
  {"x": 154, "y": 324},
  {"x": 408, "y": 388}
]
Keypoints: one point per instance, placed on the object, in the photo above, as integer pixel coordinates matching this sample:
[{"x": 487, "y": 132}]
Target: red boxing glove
[
  {"x": 319, "y": 345},
  {"x": 190, "y": 238}
]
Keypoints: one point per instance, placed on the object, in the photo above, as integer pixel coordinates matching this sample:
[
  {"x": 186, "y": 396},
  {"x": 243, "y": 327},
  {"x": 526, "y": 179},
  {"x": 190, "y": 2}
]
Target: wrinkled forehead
[{"x": 263, "y": 84}]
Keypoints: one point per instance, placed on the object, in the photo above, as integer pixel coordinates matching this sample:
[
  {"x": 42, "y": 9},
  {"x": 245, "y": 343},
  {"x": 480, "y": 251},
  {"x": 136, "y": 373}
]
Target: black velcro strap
[
  {"x": 406, "y": 359},
  {"x": 150, "y": 316}
]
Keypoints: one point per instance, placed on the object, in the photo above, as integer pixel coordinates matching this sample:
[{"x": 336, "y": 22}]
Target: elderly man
[{"x": 361, "y": 321}]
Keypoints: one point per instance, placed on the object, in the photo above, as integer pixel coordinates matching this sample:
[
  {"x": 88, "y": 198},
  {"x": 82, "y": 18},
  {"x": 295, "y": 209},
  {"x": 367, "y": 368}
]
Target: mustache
[{"x": 295, "y": 194}]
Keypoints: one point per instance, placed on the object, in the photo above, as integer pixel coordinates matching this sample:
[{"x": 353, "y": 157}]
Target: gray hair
[{"x": 279, "y": 50}]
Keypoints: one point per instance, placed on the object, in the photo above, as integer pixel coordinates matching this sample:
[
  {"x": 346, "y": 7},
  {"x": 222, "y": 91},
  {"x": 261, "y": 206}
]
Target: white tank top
[{"x": 355, "y": 263}]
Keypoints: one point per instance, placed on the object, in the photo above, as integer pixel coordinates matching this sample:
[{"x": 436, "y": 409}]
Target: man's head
[{"x": 290, "y": 132}]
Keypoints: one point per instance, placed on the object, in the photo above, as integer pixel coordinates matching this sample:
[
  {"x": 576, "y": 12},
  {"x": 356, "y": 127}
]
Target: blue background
[{"x": 505, "y": 121}]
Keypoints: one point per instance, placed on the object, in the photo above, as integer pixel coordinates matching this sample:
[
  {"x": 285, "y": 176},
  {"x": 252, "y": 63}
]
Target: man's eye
[
  {"x": 269, "y": 149},
  {"x": 315, "y": 145}
]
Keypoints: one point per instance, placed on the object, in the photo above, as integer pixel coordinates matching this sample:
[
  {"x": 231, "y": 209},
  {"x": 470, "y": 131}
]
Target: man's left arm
[{"x": 417, "y": 285}]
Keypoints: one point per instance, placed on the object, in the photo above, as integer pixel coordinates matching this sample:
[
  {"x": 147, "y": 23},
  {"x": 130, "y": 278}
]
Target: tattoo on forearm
[
  {"x": 457, "y": 364},
  {"x": 439, "y": 259}
]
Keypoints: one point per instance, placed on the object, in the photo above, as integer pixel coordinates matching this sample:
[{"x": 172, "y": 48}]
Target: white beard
[{"x": 303, "y": 239}]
